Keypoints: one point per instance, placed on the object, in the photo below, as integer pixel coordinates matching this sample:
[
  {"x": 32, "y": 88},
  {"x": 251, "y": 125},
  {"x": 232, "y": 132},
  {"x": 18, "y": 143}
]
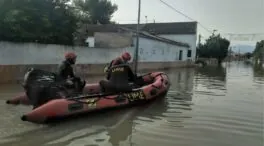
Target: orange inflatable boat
[
  {"x": 23, "y": 100},
  {"x": 156, "y": 85}
]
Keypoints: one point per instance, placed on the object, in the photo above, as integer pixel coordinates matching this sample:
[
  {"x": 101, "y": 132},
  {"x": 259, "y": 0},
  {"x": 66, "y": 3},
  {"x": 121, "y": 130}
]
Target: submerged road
[{"x": 208, "y": 106}]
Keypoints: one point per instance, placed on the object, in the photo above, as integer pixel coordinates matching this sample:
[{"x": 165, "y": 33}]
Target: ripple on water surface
[{"x": 209, "y": 106}]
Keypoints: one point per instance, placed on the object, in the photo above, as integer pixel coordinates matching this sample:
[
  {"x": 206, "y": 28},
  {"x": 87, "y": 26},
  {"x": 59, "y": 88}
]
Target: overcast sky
[{"x": 226, "y": 16}]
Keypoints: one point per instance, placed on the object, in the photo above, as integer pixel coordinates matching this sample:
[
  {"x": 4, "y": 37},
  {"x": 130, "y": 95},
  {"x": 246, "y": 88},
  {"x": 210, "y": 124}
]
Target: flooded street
[{"x": 209, "y": 106}]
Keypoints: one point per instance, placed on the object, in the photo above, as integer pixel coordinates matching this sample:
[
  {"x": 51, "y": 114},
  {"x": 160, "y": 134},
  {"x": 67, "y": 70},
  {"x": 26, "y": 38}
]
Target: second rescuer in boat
[
  {"x": 119, "y": 75},
  {"x": 123, "y": 59}
]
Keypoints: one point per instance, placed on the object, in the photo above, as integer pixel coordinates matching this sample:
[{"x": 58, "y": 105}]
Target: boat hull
[
  {"x": 23, "y": 99},
  {"x": 158, "y": 85}
]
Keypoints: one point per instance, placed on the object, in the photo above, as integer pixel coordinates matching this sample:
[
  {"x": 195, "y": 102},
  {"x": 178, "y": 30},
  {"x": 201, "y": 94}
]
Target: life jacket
[
  {"x": 106, "y": 69},
  {"x": 117, "y": 61},
  {"x": 120, "y": 74}
]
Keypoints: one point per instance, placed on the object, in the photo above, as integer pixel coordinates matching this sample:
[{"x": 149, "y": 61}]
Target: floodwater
[{"x": 208, "y": 106}]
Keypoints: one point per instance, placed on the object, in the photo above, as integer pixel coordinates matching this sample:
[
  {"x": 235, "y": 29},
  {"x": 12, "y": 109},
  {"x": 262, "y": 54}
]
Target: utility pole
[
  {"x": 199, "y": 39},
  {"x": 230, "y": 53},
  {"x": 137, "y": 40},
  {"x": 238, "y": 54},
  {"x": 198, "y": 45}
]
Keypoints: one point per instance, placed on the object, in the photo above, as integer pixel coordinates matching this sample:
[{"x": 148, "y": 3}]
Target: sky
[{"x": 226, "y": 16}]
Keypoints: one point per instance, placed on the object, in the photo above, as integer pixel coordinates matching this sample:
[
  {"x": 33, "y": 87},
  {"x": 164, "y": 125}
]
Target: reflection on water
[
  {"x": 204, "y": 107},
  {"x": 209, "y": 83},
  {"x": 109, "y": 128}
]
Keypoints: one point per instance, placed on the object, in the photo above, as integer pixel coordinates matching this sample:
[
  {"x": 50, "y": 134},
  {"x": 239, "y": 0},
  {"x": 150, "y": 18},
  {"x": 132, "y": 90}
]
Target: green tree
[
  {"x": 214, "y": 47},
  {"x": 94, "y": 11},
  {"x": 259, "y": 51},
  {"x": 43, "y": 21}
]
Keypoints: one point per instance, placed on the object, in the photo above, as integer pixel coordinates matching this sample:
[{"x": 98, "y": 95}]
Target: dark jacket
[
  {"x": 65, "y": 70},
  {"x": 117, "y": 61},
  {"x": 118, "y": 78},
  {"x": 121, "y": 74}
]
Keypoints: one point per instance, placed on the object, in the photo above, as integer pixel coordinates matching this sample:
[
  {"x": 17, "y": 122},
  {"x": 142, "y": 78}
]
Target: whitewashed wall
[
  {"x": 151, "y": 50},
  {"x": 90, "y": 41},
  {"x": 31, "y": 53},
  {"x": 190, "y": 39}
]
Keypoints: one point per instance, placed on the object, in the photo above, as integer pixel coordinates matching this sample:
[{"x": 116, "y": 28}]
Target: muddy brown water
[{"x": 208, "y": 106}]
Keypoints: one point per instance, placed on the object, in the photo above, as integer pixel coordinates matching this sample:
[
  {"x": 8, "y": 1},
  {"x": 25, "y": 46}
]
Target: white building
[
  {"x": 160, "y": 49},
  {"x": 90, "y": 41},
  {"x": 185, "y": 32},
  {"x": 178, "y": 40}
]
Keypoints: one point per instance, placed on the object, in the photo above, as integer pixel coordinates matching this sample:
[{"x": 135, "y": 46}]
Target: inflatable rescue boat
[
  {"x": 156, "y": 85},
  {"x": 22, "y": 98}
]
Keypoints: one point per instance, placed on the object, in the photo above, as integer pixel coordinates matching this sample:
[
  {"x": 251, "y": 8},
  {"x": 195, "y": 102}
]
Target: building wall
[
  {"x": 151, "y": 50},
  {"x": 16, "y": 58},
  {"x": 112, "y": 40},
  {"x": 90, "y": 41},
  {"x": 32, "y": 53},
  {"x": 190, "y": 39}
]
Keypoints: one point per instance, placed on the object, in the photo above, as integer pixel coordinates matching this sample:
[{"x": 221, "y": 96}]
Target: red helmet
[
  {"x": 70, "y": 55},
  {"x": 126, "y": 56}
]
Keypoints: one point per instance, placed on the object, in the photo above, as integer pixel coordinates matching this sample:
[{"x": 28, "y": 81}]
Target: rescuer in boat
[
  {"x": 41, "y": 86},
  {"x": 65, "y": 71},
  {"x": 118, "y": 79},
  {"x": 123, "y": 59}
]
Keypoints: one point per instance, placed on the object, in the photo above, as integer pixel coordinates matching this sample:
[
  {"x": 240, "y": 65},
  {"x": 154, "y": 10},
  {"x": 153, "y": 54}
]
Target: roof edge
[{"x": 158, "y": 38}]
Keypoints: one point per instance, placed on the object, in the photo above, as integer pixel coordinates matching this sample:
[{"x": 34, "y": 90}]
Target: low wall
[
  {"x": 33, "y": 53},
  {"x": 208, "y": 61},
  {"x": 15, "y": 73},
  {"x": 16, "y": 58}
]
